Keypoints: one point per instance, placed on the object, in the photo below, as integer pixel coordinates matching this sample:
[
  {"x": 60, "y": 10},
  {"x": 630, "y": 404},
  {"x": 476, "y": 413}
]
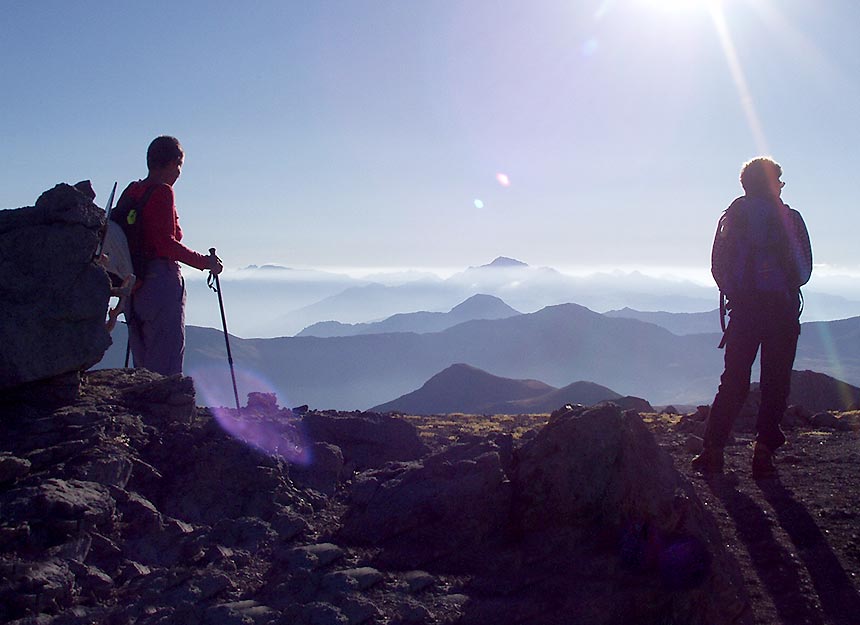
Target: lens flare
[
  {"x": 589, "y": 47},
  {"x": 503, "y": 179},
  {"x": 273, "y": 430},
  {"x": 738, "y": 75},
  {"x": 834, "y": 365},
  {"x": 478, "y": 203}
]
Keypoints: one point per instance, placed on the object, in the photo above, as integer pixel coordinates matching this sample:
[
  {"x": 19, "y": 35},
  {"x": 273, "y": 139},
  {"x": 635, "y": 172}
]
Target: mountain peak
[
  {"x": 482, "y": 306},
  {"x": 463, "y": 388},
  {"x": 504, "y": 261}
]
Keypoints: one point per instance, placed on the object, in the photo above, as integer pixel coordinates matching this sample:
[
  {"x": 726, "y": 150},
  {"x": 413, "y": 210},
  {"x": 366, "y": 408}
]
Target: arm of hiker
[{"x": 164, "y": 233}]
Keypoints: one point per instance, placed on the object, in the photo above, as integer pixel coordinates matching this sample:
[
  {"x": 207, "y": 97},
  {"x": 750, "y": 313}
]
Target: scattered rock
[
  {"x": 694, "y": 444},
  {"x": 824, "y": 420},
  {"x": 361, "y": 578},
  {"x": 263, "y": 402},
  {"x": 367, "y": 439},
  {"x": 633, "y": 403},
  {"x": 12, "y": 467},
  {"x": 325, "y": 471},
  {"x": 442, "y": 510},
  {"x": 418, "y": 580}
]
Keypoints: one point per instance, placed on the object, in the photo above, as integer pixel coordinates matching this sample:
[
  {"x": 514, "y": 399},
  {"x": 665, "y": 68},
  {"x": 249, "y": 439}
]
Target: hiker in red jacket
[
  {"x": 156, "y": 323},
  {"x": 760, "y": 259}
]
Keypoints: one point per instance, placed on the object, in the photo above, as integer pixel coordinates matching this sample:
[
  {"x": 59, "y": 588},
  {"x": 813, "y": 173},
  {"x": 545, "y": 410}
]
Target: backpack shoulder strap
[
  {"x": 144, "y": 199},
  {"x": 722, "y": 320}
]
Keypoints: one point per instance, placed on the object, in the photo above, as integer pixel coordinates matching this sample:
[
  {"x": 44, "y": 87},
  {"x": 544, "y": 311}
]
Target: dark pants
[
  {"x": 775, "y": 328},
  {"x": 156, "y": 325}
]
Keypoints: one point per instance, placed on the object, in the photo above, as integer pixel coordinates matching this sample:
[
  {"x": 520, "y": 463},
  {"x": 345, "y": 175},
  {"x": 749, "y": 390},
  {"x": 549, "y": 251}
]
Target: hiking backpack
[
  {"x": 759, "y": 248},
  {"x": 120, "y": 250},
  {"x": 125, "y": 234}
]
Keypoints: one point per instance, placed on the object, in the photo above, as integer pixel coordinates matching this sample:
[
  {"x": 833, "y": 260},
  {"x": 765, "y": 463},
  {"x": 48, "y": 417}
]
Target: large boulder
[
  {"x": 600, "y": 463},
  {"x": 367, "y": 439},
  {"x": 616, "y": 526},
  {"x": 442, "y": 511},
  {"x": 54, "y": 296}
]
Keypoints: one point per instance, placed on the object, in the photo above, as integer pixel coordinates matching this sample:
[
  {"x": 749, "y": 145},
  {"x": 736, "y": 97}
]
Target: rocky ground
[
  {"x": 796, "y": 539},
  {"x": 128, "y": 504}
]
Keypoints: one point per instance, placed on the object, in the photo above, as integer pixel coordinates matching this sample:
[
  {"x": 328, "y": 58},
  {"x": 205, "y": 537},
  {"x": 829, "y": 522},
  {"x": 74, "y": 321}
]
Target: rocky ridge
[{"x": 131, "y": 505}]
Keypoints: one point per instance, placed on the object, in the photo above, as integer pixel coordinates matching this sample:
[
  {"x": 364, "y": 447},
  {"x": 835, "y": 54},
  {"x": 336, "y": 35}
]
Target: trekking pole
[
  {"x": 215, "y": 285},
  {"x": 103, "y": 234}
]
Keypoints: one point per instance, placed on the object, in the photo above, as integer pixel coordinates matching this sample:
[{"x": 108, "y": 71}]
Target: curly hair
[{"x": 758, "y": 175}]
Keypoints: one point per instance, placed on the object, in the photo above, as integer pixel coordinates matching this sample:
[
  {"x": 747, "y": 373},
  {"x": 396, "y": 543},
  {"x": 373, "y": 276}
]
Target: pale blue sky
[{"x": 361, "y": 133}]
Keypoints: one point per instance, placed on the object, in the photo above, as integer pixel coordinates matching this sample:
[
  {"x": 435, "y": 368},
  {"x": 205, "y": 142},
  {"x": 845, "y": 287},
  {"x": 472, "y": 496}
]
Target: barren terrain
[{"x": 796, "y": 539}]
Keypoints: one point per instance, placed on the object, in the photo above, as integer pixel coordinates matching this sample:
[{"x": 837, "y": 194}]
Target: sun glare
[{"x": 680, "y": 5}]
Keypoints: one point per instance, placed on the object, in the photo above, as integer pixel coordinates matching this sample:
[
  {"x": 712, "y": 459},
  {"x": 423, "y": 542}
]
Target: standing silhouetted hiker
[
  {"x": 156, "y": 323},
  {"x": 760, "y": 259}
]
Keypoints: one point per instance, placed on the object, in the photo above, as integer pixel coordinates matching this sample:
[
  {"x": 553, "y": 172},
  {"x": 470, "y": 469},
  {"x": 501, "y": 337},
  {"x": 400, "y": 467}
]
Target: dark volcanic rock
[
  {"x": 589, "y": 523},
  {"x": 54, "y": 297},
  {"x": 98, "y": 495},
  {"x": 130, "y": 505},
  {"x": 593, "y": 487},
  {"x": 366, "y": 439},
  {"x": 443, "y": 511},
  {"x": 633, "y": 403}
]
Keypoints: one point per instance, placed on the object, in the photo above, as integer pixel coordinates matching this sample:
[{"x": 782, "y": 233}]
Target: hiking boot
[
  {"x": 709, "y": 462},
  {"x": 762, "y": 463}
]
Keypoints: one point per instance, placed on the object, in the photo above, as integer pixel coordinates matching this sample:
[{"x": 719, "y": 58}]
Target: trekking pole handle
[{"x": 213, "y": 256}]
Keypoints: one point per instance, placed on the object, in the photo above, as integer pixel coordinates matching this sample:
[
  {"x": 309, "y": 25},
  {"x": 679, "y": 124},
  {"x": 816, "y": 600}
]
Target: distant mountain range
[
  {"x": 521, "y": 286},
  {"x": 272, "y": 301},
  {"x": 676, "y": 323},
  {"x": 556, "y": 345},
  {"x": 476, "y": 307},
  {"x": 466, "y": 389}
]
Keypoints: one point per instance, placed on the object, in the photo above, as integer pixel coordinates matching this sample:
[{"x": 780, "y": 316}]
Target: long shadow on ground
[
  {"x": 839, "y": 599},
  {"x": 778, "y": 571}
]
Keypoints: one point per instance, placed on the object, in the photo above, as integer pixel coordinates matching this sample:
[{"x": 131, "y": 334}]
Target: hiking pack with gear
[
  {"x": 129, "y": 215},
  {"x": 761, "y": 250},
  {"x": 112, "y": 254}
]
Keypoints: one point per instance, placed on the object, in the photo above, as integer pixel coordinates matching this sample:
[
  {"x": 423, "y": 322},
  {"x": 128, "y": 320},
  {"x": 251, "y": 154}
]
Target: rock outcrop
[
  {"x": 587, "y": 522},
  {"x": 54, "y": 297},
  {"x": 131, "y": 505}
]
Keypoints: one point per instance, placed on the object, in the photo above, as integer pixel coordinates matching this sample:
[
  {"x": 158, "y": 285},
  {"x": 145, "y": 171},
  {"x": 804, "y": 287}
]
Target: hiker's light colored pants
[{"x": 156, "y": 326}]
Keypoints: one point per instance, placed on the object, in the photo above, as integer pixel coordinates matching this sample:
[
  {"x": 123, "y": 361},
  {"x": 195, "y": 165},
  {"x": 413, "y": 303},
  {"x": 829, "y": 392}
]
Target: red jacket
[{"x": 161, "y": 231}]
